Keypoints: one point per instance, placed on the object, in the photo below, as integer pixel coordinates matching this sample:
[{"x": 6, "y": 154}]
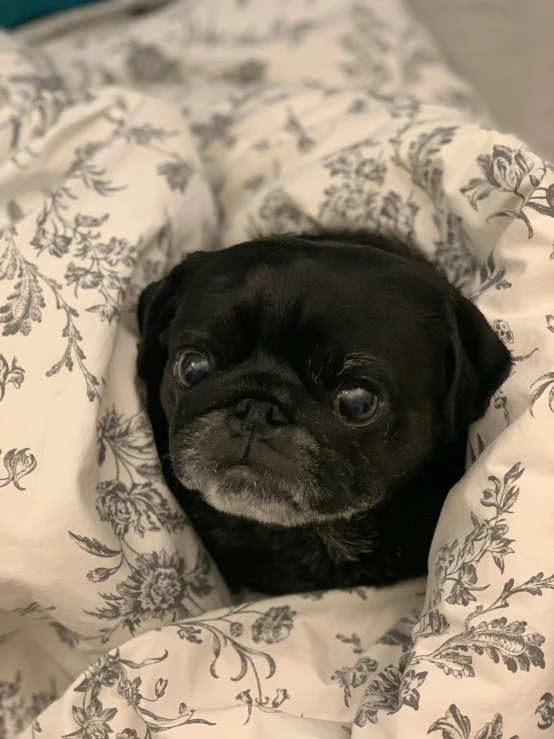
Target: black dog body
[{"x": 310, "y": 398}]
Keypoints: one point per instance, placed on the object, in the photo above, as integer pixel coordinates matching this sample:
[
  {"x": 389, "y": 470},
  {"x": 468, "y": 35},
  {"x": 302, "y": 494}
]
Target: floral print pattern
[
  {"x": 454, "y": 724},
  {"x": 545, "y": 710},
  {"x": 18, "y": 463},
  {"x": 10, "y": 373},
  {"x": 504, "y": 170},
  {"x": 189, "y": 127},
  {"x": 274, "y": 626}
]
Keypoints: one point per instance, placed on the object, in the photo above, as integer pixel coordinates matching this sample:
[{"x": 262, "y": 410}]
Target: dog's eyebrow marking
[
  {"x": 354, "y": 360},
  {"x": 193, "y": 336},
  {"x": 195, "y": 333}
]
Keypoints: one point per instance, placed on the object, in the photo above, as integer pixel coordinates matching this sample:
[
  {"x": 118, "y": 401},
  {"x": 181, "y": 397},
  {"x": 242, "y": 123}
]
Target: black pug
[{"x": 310, "y": 398}]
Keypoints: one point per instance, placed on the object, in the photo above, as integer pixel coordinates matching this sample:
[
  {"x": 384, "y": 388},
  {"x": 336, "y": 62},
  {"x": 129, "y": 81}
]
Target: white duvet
[{"x": 127, "y": 142}]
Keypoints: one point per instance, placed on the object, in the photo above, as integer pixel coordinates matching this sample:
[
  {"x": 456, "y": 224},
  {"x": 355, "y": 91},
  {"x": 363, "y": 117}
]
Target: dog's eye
[
  {"x": 357, "y": 405},
  {"x": 191, "y": 368}
]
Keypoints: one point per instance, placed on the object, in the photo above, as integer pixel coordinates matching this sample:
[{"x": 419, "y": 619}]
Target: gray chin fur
[
  {"x": 241, "y": 493},
  {"x": 240, "y": 490}
]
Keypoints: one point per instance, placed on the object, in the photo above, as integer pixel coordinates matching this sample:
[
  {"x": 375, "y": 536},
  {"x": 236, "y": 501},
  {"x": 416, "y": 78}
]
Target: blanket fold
[{"x": 201, "y": 124}]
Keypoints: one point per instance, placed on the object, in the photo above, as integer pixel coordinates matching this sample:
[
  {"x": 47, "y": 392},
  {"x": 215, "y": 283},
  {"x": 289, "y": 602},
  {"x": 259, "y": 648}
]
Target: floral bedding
[{"x": 125, "y": 145}]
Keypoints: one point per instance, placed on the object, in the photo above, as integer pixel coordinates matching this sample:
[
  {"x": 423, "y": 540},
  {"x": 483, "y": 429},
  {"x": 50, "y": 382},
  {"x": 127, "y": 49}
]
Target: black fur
[{"x": 279, "y": 316}]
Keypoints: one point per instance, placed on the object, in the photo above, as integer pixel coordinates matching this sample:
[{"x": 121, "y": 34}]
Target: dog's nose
[{"x": 259, "y": 416}]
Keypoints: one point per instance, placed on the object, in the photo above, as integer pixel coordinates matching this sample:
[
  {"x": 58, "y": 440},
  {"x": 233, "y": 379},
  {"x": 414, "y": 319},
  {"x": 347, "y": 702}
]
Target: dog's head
[{"x": 305, "y": 380}]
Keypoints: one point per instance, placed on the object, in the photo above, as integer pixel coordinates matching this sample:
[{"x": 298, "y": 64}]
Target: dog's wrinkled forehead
[{"x": 286, "y": 294}]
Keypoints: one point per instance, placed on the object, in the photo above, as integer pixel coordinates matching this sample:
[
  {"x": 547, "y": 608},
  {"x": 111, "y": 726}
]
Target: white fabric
[{"x": 202, "y": 124}]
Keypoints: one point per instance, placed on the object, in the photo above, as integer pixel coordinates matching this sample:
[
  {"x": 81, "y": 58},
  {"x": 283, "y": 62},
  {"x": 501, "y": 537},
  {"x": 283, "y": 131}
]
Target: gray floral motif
[
  {"x": 217, "y": 128},
  {"x": 67, "y": 636},
  {"x": 93, "y": 721},
  {"x": 500, "y": 402},
  {"x": 14, "y": 211},
  {"x": 130, "y": 442},
  {"x": 503, "y": 330},
  {"x": 249, "y": 72},
  {"x": 352, "y": 196},
  {"x": 138, "y": 508},
  {"x": 490, "y": 275},
  {"x": 157, "y": 589},
  {"x": 112, "y": 672},
  {"x": 397, "y": 217},
  {"x": 475, "y": 454},
  {"x": 389, "y": 692},
  {"x": 419, "y": 158},
  {"x": 545, "y": 709},
  {"x": 361, "y": 105},
  {"x": 33, "y": 608},
  {"x": 501, "y": 641},
  {"x": 267, "y": 705},
  {"x": 225, "y": 631},
  {"x": 177, "y": 172},
  {"x": 254, "y": 183},
  {"x": 10, "y": 374},
  {"x": 236, "y": 629},
  {"x": 498, "y": 639},
  {"x": 147, "y": 64},
  {"x": 456, "y": 565},
  {"x": 18, "y": 711},
  {"x": 18, "y": 464},
  {"x": 354, "y": 639},
  {"x": 26, "y": 300},
  {"x": 350, "y": 678},
  {"x": 400, "y": 633},
  {"x": 96, "y": 265},
  {"x": 278, "y": 214},
  {"x": 274, "y": 626},
  {"x": 545, "y": 208},
  {"x": 41, "y": 613},
  {"x": 454, "y": 725},
  {"x": 454, "y": 256},
  {"x": 503, "y": 170},
  {"x": 352, "y": 164},
  {"x": 505, "y": 334},
  {"x": 35, "y": 97},
  {"x": 93, "y": 264},
  {"x": 146, "y": 135},
  {"x": 304, "y": 142},
  {"x": 158, "y": 586},
  {"x": 152, "y": 270},
  {"x": 107, "y": 671},
  {"x": 539, "y": 388},
  {"x": 420, "y": 161},
  {"x": 56, "y": 245}
]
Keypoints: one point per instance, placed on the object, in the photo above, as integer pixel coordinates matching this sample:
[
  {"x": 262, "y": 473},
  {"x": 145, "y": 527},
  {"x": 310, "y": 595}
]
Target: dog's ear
[
  {"x": 477, "y": 364},
  {"x": 156, "y": 309}
]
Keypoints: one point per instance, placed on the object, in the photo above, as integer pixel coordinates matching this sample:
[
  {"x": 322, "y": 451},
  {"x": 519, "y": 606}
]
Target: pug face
[{"x": 306, "y": 380}]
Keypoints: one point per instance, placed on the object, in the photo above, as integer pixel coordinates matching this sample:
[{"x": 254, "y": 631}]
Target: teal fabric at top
[{"x": 15, "y": 12}]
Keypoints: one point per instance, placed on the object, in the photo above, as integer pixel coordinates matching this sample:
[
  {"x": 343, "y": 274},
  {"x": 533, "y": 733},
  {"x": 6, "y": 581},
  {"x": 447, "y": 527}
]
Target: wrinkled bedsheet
[{"x": 125, "y": 144}]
